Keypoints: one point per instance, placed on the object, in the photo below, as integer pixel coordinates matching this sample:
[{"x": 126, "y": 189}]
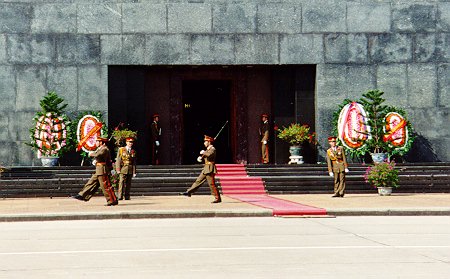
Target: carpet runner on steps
[{"x": 236, "y": 184}]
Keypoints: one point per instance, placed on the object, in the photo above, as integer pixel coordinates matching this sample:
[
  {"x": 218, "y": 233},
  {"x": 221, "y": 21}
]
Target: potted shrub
[
  {"x": 383, "y": 176},
  {"x": 296, "y": 134},
  {"x": 50, "y": 135},
  {"x": 120, "y": 134},
  {"x": 372, "y": 101}
]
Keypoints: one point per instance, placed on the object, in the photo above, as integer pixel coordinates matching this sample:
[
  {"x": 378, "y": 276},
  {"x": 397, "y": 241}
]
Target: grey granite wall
[{"x": 401, "y": 47}]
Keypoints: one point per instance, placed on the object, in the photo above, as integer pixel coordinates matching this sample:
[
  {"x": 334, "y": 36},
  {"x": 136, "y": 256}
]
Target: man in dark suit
[
  {"x": 337, "y": 167},
  {"x": 208, "y": 172}
]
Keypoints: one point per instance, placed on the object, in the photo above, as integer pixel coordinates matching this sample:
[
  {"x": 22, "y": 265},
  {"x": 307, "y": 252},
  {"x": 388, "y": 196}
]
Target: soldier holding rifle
[
  {"x": 156, "y": 137},
  {"x": 264, "y": 136},
  {"x": 208, "y": 172}
]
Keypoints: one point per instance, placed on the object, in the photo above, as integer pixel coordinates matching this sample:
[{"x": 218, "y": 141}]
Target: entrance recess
[
  {"x": 206, "y": 108},
  {"x": 196, "y": 100}
]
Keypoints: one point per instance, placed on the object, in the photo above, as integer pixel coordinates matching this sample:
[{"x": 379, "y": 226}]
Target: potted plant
[
  {"x": 296, "y": 134},
  {"x": 383, "y": 176},
  {"x": 120, "y": 134},
  {"x": 50, "y": 135},
  {"x": 372, "y": 101}
]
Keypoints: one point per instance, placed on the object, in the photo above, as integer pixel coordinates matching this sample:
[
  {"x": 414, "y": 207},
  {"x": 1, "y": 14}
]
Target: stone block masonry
[{"x": 401, "y": 47}]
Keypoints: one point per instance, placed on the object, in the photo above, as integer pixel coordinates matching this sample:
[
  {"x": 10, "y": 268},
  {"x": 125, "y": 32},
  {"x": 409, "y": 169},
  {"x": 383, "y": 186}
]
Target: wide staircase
[
  {"x": 304, "y": 179},
  {"x": 17, "y": 182}
]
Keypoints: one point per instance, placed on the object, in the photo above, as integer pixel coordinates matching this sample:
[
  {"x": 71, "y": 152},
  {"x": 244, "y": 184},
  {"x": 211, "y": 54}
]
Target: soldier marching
[{"x": 101, "y": 177}]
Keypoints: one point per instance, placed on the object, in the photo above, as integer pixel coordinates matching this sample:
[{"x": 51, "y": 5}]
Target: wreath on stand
[
  {"x": 89, "y": 126},
  {"x": 51, "y": 133},
  {"x": 367, "y": 125}
]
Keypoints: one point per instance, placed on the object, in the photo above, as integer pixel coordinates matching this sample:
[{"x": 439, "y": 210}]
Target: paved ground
[
  {"x": 36, "y": 209},
  {"x": 351, "y": 247}
]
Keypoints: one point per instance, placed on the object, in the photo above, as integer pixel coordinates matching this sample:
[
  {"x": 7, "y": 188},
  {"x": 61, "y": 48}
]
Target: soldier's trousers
[
  {"x": 155, "y": 154},
  {"x": 124, "y": 185},
  {"x": 212, "y": 185},
  {"x": 339, "y": 183},
  {"x": 91, "y": 187},
  {"x": 264, "y": 153}
]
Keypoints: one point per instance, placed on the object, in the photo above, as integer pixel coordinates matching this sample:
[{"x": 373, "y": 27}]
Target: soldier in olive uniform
[
  {"x": 337, "y": 167},
  {"x": 208, "y": 172},
  {"x": 126, "y": 168},
  {"x": 264, "y": 136},
  {"x": 156, "y": 137},
  {"x": 103, "y": 166}
]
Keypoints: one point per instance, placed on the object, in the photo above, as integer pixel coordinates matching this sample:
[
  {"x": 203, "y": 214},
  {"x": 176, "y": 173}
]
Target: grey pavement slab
[{"x": 38, "y": 209}]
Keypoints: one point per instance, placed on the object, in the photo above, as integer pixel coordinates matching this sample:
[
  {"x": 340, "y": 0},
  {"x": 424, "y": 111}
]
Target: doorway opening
[
  {"x": 206, "y": 108},
  {"x": 196, "y": 100}
]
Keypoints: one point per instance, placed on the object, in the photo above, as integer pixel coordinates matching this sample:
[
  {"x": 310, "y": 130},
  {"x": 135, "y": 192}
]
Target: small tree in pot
[{"x": 50, "y": 136}]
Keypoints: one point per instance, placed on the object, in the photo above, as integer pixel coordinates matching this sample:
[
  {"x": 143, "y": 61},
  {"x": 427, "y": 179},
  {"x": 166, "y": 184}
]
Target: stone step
[{"x": 169, "y": 180}]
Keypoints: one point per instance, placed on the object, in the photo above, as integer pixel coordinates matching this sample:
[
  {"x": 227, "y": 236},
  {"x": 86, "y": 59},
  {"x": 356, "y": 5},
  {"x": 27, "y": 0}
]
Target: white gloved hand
[
  {"x": 199, "y": 159},
  {"x": 265, "y": 142},
  {"x": 157, "y": 143},
  {"x": 331, "y": 174},
  {"x": 134, "y": 175},
  {"x": 346, "y": 170},
  {"x": 203, "y": 151},
  {"x": 94, "y": 162}
]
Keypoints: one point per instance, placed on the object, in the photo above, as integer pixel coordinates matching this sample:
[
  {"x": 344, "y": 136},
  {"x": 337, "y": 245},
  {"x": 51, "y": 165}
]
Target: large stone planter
[
  {"x": 379, "y": 157},
  {"x": 384, "y": 191},
  {"x": 49, "y": 161},
  {"x": 296, "y": 157}
]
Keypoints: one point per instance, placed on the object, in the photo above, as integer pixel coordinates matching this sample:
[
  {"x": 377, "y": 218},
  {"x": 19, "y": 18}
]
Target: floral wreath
[
  {"x": 89, "y": 126},
  {"x": 352, "y": 128},
  {"x": 353, "y": 151},
  {"x": 50, "y": 134},
  {"x": 397, "y": 130}
]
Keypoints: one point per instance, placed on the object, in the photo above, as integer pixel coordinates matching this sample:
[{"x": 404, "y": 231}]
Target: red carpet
[{"x": 236, "y": 184}]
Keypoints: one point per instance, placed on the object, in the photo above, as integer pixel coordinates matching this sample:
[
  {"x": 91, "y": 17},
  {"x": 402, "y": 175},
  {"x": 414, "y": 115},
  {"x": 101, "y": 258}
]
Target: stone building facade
[{"x": 400, "y": 47}]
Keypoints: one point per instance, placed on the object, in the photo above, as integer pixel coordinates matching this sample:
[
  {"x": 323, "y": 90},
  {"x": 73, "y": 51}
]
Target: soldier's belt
[
  {"x": 125, "y": 163},
  {"x": 100, "y": 164},
  {"x": 209, "y": 163}
]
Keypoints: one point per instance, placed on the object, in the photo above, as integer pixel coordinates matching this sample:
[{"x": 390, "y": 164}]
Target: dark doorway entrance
[
  {"x": 197, "y": 100},
  {"x": 206, "y": 108}
]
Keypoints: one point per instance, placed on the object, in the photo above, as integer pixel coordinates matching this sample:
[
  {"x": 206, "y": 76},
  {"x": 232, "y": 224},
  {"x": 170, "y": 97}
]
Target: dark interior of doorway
[{"x": 206, "y": 108}]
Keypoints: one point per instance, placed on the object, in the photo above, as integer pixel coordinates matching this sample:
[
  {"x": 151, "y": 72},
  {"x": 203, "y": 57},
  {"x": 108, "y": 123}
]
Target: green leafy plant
[
  {"x": 120, "y": 134},
  {"x": 51, "y": 134},
  {"x": 296, "y": 134},
  {"x": 372, "y": 102},
  {"x": 382, "y": 175},
  {"x": 115, "y": 178}
]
